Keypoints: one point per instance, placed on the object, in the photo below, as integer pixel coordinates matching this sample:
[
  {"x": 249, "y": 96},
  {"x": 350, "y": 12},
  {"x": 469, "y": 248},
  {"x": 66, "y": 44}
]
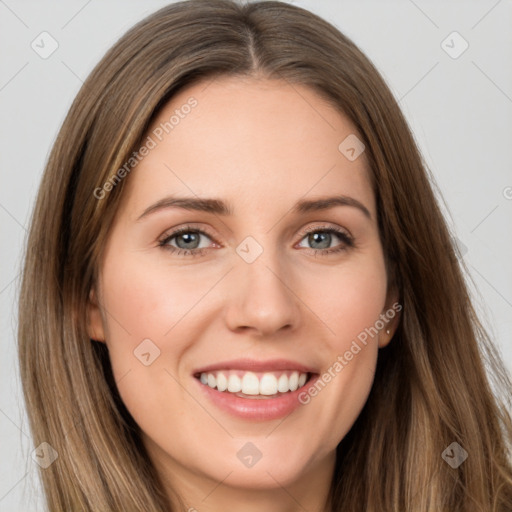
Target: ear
[
  {"x": 390, "y": 316},
  {"x": 95, "y": 328}
]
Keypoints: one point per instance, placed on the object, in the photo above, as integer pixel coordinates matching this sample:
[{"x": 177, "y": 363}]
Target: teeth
[
  {"x": 294, "y": 381},
  {"x": 268, "y": 384},
  {"x": 283, "y": 384},
  {"x": 234, "y": 384},
  {"x": 222, "y": 382},
  {"x": 250, "y": 383}
]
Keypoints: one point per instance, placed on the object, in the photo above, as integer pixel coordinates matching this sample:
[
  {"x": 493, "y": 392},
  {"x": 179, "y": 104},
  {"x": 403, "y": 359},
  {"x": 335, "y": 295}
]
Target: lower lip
[{"x": 262, "y": 409}]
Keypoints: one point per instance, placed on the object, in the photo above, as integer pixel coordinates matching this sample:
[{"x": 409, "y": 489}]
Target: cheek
[
  {"x": 350, "y": 304},
  {"x": 349, "y": 298},
  {"x": 145, "y": 314},
  {"x": 147, "y": 301}
]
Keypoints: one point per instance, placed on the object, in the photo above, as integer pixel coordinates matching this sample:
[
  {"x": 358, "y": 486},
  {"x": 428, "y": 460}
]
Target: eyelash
[{"x": 348, "y": 241}]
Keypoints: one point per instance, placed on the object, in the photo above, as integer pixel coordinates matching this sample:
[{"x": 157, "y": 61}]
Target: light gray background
[{"x": 459, "y": 109}]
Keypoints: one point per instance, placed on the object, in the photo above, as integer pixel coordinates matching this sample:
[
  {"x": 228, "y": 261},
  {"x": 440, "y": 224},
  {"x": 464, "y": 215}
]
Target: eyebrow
[{"x": 219, "y": 207}]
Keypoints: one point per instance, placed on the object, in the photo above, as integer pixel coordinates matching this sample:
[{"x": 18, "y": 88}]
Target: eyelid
[
  {"x": 347, "y": 240},
  {"x": 325, "y": 227},
  {"x": 169, "y": 233},
  {"x": 173, "y": 232},
  {"x": 342, "y": 233}
]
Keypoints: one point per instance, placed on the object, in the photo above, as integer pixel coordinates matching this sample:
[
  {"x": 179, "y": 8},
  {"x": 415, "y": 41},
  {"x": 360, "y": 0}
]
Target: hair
[{"x": 433, "y": 383}]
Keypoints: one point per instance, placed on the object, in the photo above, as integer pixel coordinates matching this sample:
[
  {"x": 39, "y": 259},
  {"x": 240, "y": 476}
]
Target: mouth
[
  {"x": 255, "y": 390},
  {"x": 254, "y": 385}
]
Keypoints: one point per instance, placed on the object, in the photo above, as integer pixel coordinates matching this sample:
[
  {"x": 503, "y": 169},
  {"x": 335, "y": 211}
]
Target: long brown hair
[{"x": 435, "y": 383}]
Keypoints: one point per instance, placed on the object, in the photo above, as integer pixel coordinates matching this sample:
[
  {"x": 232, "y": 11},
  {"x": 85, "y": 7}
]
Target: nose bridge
[{"x": 262, "y": 297}]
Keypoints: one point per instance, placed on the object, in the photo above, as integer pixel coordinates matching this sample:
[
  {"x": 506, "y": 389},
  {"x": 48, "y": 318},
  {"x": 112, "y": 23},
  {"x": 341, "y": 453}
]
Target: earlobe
[
  {"x": 95, "y": 329},
  {"x": 385, "y": 337},
  {"x": 391, "y": 315}
]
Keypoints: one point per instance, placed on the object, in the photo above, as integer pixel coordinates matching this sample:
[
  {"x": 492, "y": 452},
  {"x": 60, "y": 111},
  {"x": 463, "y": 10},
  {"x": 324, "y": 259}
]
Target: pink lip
[
  {"x": 254, "y": 409},
  {"x": 256, "y": 366}
]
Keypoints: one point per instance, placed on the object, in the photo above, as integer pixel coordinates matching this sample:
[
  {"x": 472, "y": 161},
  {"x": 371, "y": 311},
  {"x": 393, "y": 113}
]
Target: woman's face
[{"x": 277, "y": 277}]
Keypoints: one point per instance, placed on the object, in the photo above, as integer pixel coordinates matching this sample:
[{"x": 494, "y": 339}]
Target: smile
[
  {"x": 252, "y": 384},
  {"x": 255, "y": 390}
]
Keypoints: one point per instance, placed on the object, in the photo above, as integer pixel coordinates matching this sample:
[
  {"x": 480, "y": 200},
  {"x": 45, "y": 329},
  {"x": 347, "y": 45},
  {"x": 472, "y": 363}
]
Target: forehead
[{"x": 256, "y": 143}]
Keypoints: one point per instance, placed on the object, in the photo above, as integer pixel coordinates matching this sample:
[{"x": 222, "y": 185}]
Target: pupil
[
  {"x": 313, "y": 238},
  {"x": 189, "y": 237}
]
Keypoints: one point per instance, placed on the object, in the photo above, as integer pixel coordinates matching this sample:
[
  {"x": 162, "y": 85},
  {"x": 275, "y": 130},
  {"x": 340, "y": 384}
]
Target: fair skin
[{"x": 260, "y": 146}]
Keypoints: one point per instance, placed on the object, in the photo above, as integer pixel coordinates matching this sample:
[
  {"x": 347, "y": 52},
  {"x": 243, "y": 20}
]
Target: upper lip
[{"x": 256, "y": 366}]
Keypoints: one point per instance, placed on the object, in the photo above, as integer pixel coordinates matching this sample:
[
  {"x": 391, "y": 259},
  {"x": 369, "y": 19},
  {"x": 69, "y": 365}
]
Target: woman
[{"x": 186, "y": 345}]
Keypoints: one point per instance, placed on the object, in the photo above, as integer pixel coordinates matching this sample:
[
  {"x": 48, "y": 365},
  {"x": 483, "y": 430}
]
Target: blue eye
[
  {"x": 324, "y": 236},
  {"x": 185, "y": 241}
]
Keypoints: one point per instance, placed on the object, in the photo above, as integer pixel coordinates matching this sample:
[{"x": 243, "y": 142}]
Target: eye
[
  {"x": 185, "y": 241},
  {"x": 321, "y": 238}
]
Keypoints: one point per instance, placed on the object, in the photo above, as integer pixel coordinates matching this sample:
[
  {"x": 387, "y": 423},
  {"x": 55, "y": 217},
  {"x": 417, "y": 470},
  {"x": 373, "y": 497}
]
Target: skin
[{"x": 259, "y": 145}]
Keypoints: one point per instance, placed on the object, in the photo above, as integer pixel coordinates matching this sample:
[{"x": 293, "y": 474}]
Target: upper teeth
[{"x": 251, "y": 383}]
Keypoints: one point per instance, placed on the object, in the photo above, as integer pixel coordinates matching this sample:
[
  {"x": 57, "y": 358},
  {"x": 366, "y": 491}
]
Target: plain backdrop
[{"x": 458, "y": 103}]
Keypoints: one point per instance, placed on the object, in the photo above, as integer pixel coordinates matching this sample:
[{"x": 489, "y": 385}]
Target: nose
[{"x": 262, "y": 299}]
